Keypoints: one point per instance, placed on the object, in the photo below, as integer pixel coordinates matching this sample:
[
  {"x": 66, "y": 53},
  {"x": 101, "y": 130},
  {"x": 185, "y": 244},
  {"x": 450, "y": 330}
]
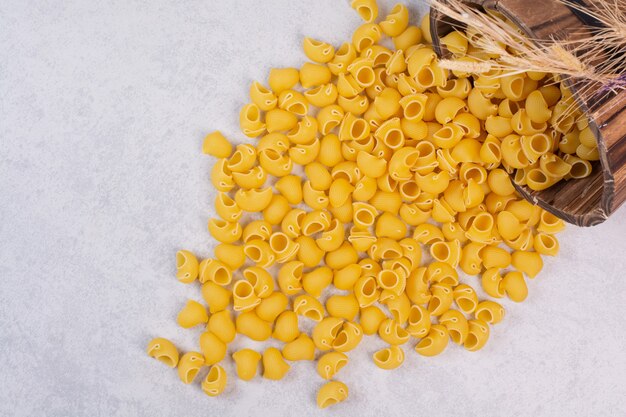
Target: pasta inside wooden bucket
[{"x": 587, "y": 201}]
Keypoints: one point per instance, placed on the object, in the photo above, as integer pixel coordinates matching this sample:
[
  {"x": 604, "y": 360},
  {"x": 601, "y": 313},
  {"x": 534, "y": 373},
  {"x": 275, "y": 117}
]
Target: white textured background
[{"x": 103, "y": 107}]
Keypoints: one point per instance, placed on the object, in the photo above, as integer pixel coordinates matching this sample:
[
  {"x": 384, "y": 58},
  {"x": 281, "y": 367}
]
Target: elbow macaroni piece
[
  {"x": 330, "y": 363},
  {"x": 332, "y": 393},
  {"x": 189, "y": 365},
  {"x": 301, "y": 349},
  {"x": 274, "y": 366},
  {"x": 164, "y": 351},
  {"x": 215, "y": 381},
  {"x": 192, "y": 314},
  {"x": 247, "y": 362},
  {"x": 389, "y": 358}
]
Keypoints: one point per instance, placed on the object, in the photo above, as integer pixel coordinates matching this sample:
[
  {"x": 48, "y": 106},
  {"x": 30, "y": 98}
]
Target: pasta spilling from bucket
[{"x": 374, "y": 184}]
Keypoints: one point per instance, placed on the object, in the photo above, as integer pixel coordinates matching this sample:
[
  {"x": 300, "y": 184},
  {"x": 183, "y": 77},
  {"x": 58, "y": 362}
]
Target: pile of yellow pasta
[
  {"x": 402, "y": 186},
  {"x": 531, "y": 117}
]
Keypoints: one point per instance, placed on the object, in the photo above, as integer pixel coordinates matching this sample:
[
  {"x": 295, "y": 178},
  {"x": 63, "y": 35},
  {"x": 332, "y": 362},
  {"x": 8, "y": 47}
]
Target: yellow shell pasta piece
[
  {"x": 370, "y": 319},
  {"x": 163, "y": 350},
  {"x": 396, "y": 21},
  {"x": 244, "y": 297},
  {"x": 215, "y": 381},
  {"x": 283, "y": 247},
  {"x": 221, "y": 324},
  {"x": 332, "y": 393},
  {"x": 214, "y": 270},
  {"x": 549, "y": 223},
  {"x": 465, "y": 298},
  {"x": 247, "y": 363},
  {"x": 344, "y": 55},
  {"x": 212, "y": 347},
  {"x": 226, "y": 208},
  {"x": 343, "y": 306},
  {"x": 537, "y": 108},
  {"x": 254, "y": 200},
  {"x": 366, "y": 35},
  {"x": 546, "y": 244},
  {"x": 489, "y": 312},
  {"x": 340, "y": 192},
  {"x": 492, "y": 283},
  {"x": 495, "y": 257},
  {"x": 216, "y": 296},
  {"x": 322, "y": 96},
  {"x": 223, "y": 231},
  {"x": 318, "y": 51},
  {"x": 412, "y": 35},
  {"x": 254, "y": 178},
  {"x": 348, "y": 337},
  {"x": 290, "y": 187},
  {"x": 391, "y": 332},
  {"x": 259, "y": 252},
  {"x": 301, "y": 349},
  {"x": 312, "y": 75},
  {"x": 456, "y": 43},
  {"x": 276, "y": 211},
  {"x": 399, "y": 307},
  {"x": 316, "y": 281},
  {"x": 308, "y": 306},
  {"x": 418, "y": 321},
  {"x": 221, "y": 176},
  {"x": 363, "y": 74},
  {"x": 367, "y": 9},
  {"x": 189, "y": 365},
  {"x": 346, "y": 277},
  {"x": 262, "y": 97},
  {"x": 215, "y": 144},
  {"x": 186, "y": 266},
  {"x": 192, "y": 314},
  {"x": 325, "y": 332},
  {"x": 342, "y": 257},
  {"x": 356, "y": 105},
  {"x": 286, "y": 328},
  {"x": 279, "y": 120},
  {"x": 389, "y": 358},
  {"x": 273, "y": 141},
  {"x": 291, "y": 224},
  {"x": 257, "y": 230},
  {"x": 479, "y": 105},
  {"x": 441, "y": 300},
  {"x": 309, "y": 253},
  {"x": 333, "y": 237},
  {"x": 529, "y": 263},
  {"x": 388, "y": 225},
  {"x": 274, "y": 366},
  {"x": 457, "y": 325},
  {"x": 272, "y": 306},
  {"x": 276, "y": 164},
  {"x": 316, "y": 199},
  {"x": 330, "y": 363},
  {"x": 435, "y": 342},
  {"x": 515, "y": 286},
  {"x": 305, "y": 131},
  {"x": 477, "y": 336},
  {"x": 251, "y": 325},
  {"x": 250, "y": 120},
  {"x": 370, "y": 165},
  {"x": 281, "y": 79}
]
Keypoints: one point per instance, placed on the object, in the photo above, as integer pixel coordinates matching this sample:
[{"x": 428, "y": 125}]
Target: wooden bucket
[{"x": 588, "y": 201}]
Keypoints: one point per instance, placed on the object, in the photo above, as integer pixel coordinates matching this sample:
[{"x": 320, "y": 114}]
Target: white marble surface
[{"x": 103, "y": 106}]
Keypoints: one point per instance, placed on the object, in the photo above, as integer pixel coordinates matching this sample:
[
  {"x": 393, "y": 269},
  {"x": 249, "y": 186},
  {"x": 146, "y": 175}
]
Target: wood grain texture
[{"x": 588, "y": 201}]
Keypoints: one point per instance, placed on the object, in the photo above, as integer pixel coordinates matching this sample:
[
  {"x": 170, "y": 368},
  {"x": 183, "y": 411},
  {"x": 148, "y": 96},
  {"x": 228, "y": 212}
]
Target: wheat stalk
[{"x": 519, "y": 53}]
